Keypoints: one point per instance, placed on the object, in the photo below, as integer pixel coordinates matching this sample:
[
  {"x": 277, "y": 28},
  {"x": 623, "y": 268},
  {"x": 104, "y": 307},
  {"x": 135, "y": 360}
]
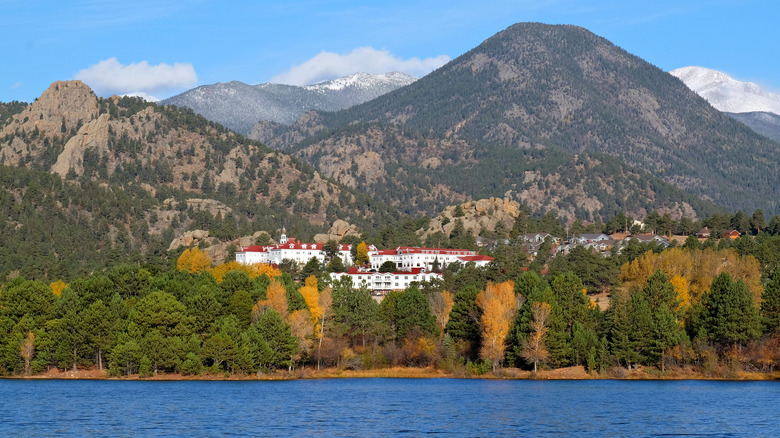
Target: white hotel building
[
  {"x": 289, "y": 249},
  {"x": 413, "y": 264},
  {"x": 382, "y": 282}
]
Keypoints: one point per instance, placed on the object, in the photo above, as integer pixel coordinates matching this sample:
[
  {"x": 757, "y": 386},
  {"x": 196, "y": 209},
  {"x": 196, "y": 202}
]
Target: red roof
[
  {"x": 476, "y": 258},
  {"x": 423, "y": 250},
  {"x": 291, "y": 244}
]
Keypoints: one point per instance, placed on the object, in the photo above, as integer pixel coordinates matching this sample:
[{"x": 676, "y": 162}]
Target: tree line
[{"x": 699, "y": 309}]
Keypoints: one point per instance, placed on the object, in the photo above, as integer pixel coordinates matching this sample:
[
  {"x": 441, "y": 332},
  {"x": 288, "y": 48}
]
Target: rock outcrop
[
  {"x": 212, "y": 206},
  {"x": 188, "y": 239},
  {"x": 94, "y": 134},
  {"x": 338, "y": 231},
  {"x": 475, "y": 216}
]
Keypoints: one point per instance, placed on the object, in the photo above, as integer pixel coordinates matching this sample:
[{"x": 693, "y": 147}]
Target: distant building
[
  {"x": 583, "y": 239},
  {"x": 380, "y": 283},
  {"x": 405, "y": 258},
  {"x": 649, "y": 238},
  {"x": 290, "y": 249},
  {"x": 704, "y": 233},
  {"x": 731, "y": 234},
  {"x": 411, "y": 257}
]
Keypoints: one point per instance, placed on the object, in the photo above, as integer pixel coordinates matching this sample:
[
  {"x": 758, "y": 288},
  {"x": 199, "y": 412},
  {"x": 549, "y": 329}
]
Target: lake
[{"x": 389, "y": 407}]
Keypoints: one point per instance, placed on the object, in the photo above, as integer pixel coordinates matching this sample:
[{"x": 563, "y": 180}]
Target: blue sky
[{"x": 163, "y": 47}]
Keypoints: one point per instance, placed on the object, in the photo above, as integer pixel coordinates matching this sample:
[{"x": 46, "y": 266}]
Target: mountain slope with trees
[
  {"x": 558, "y": 89},
  {"x": 239, "y": 106},
  {"x": 88, "y": 182}
]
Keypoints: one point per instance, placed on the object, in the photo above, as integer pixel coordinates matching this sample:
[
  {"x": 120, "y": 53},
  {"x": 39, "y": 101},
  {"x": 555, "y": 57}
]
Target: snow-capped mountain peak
[
  {"x": 726, "y": 93},
  {"x": 364, "y": 80}
]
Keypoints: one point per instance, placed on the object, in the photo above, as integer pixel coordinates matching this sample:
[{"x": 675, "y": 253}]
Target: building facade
[
  {"x": 290, "y": 249},
  {"x": 380, "y": 283}
]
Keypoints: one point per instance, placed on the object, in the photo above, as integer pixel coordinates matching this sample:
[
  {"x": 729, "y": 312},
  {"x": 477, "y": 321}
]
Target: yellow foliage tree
[
  {"x": 193, "y": 260},
  {"x": 253, "y": 271},
  {"x": 324, "y": 303},
  {"x": 276, "y": 298},
  {"x": 268, "y": 270},
  {"x": 311, "y": 295},
  {"x": 441, "y": 306},
  {"x": 303, "y": 329},
  {"x": 499, "y": 305},
  {"x": 681, "y": 287},
  {"x": 697, "y": 267},
  {"x": 361, "y": 258},
  {"x": 57, "y": 287}
]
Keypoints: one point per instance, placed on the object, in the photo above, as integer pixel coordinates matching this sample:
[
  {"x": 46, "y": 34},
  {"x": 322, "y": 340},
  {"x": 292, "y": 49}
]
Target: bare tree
[{"x": 533, "y": 347}]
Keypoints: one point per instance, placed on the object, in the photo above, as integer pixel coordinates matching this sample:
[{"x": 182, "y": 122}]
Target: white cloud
[
  {"x": 111, "y": 77},
  {"x": 329, "y": 65},
  {"x": 16, "y": 85}
]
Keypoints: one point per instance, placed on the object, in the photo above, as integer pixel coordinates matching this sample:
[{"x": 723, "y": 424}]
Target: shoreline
[{"x": 569, "y": 373}]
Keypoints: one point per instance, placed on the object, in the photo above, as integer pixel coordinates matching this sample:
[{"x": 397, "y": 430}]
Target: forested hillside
[
  {"x": 90, "y": 182},
  {"x": 560, "y": 89}
]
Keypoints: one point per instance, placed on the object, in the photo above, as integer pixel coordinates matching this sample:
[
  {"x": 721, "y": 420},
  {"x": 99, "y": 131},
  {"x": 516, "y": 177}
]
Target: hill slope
[
  {"x": 764, "y": 123},
  {"x": 562, "y": 89}
]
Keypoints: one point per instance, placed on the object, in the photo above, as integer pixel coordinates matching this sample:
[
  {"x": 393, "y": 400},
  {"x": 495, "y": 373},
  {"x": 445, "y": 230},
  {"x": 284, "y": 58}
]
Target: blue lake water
[{"x": 389, "y": 407}]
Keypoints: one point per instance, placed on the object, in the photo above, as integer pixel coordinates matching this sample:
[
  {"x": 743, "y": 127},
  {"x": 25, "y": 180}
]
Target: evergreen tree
[
  {"x": 276, "y": 344},
  {"x": 413, "y": 314},
  {"x": 463, "y": 325},
  {"x": 659, "y": 291},
  {"x": 729, "y": 315},
  {"x": 770, "y": 304}
]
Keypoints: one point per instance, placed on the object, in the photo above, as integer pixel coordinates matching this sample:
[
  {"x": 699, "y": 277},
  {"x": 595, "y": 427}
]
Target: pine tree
[
  {"x": 770, "y": 305},
  {"x": 729, "y": 314}
]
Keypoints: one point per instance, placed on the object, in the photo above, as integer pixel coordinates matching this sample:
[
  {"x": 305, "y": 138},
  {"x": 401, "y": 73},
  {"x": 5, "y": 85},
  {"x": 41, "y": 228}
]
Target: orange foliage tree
[
  {"x": 499, "y": 305},
  {"x": 276, "y": 298}
]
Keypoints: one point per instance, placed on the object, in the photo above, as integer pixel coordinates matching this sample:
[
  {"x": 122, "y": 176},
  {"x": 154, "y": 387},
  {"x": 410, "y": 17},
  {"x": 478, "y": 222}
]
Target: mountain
[
  {"x": 764, "y": 123},
  {"x": 555, "y": 115},
  {"x": 239, "y": 106},
  {"x": 726, "y": 93},
  {"x": 89, "y": 182},
  {"x": 743, "y": 101}
]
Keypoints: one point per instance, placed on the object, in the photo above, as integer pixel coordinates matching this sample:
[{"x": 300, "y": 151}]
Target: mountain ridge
[{"x": 239, "y": 106}]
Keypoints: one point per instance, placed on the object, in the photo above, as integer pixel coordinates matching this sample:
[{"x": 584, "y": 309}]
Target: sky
[{"x": 160, "y": 48}]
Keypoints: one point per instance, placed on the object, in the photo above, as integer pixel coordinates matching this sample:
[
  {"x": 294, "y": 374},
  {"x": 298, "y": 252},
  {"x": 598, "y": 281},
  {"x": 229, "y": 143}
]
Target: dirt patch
[
  {"x": 88, "y": 374},
  {"x": 568, "y": 373}
]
